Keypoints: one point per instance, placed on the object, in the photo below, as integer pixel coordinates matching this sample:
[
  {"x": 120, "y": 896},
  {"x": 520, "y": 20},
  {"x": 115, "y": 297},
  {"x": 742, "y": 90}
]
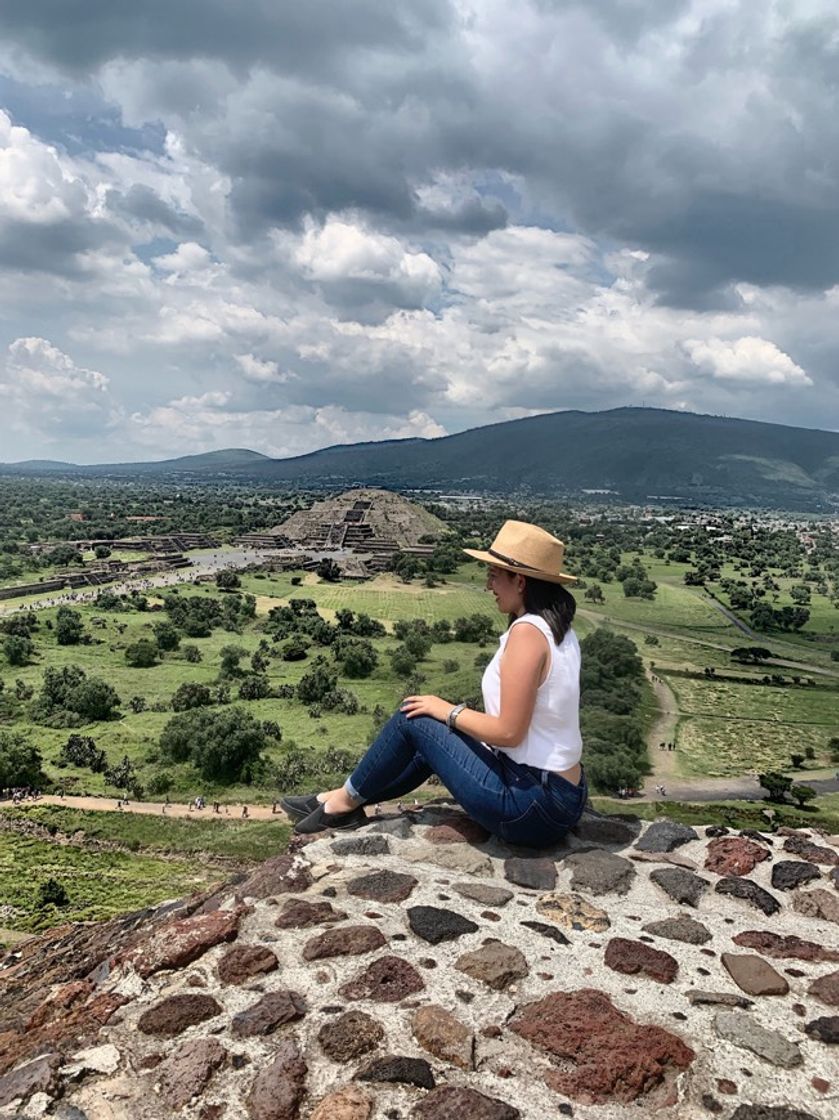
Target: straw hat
[{"x": 528, "y": 550}]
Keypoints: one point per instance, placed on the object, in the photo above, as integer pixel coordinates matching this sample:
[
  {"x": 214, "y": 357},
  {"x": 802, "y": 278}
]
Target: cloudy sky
[{"x": 286, "y": 225}]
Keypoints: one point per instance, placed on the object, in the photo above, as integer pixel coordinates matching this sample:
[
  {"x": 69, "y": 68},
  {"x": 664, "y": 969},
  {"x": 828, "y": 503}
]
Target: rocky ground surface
[{"x": 419, "y": 970}]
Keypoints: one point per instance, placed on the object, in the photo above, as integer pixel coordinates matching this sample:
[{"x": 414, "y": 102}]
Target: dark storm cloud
[
  {"x": 357, "y": 107},
  {"x": 305, "y": 37},
  {"x": 141, "y": 204},
  {"x": 52, "y": 247}
]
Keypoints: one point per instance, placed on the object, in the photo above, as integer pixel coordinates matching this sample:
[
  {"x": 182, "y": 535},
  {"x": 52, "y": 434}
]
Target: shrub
[
  {"x": 191, "y": 654},
  {"x": 69, "y": 692},
  {"x": 18, "y": 650},
  {"x": 317, "y": 682},
  {"x": 224, "y": 746},
  {"x": 20, "y": 761},
  {"x": 356, "y": 656},
  {"x": 142, "y": 654},
  {"x": 160, "y": 784},
  {"x": 190, "y": 695},
  {"x": 52, "y": 893},
  {"x": 81, "y": 750},
  {"x": 295, "y": 649},
  {"x": 254, "y": 687},
  {"x": 166, "y": 635},
  {"x": 450, "y": 666},
  {"x": 228, "y": 581},
  {"x": 68, "y": 627}
]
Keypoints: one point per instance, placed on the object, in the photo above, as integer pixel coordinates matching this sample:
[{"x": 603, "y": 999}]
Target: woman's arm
[{"x": 522, "y": 670}]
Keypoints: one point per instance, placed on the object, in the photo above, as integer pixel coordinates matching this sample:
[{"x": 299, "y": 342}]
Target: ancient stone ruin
[
  {"x": 371, "y": 523},
  {"x": 420, "y": 970}
]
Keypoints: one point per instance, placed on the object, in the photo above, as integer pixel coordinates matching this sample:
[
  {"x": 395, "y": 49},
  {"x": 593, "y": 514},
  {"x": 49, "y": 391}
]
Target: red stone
[
  {"x": 175, "y": 1013},
  {"x": 820, "y": 1085},
  {"x": 298, "y": 913},
  {"x": 826, "y": 989},
  {"x": 632, "y": 957},
  {"x": 244, "y": 961},
  {"x": 457, "y": 830},
  {"x": 387, "y": 980},
  {"x": 343, "y": 941},
  {"x": 278, "y": 1090},
  {"x": 615, "y": 1058},
  {"x": 182, "y": 941},
  {"x": 734, "y": 855},
  {"x": 776, "y": 945},
  {"x": 286, "y": 874}
]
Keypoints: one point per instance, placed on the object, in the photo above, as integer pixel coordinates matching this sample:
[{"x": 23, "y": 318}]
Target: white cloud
[
  {"x": 50, "y": 396},
  {"x": 259, "y": 370},
  {"x": 188, "y": 257},
  {"x": 35, "y": 185},
  {"x": 746, "y": 359}
]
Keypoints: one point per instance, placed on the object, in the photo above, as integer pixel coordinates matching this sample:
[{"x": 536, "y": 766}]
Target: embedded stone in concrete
[
  {"x": 572, "y": 911},
  {"x": 268, "y": 1013},
  {"x": 614, "y": 1058},
  {"x": 484, "y": 893},
  {"x": 343, "y": 941},
  {"x": 299, "y": 913},
  {"x": 744, "y": 1031},
  {"x": 673, "y": 858},
  {"x": 494, "y": 964},
  {"x": 175, "y": 1013},
  {"x": 285, "y": 874},
  {"x": 748, "y": 891},
  {"x": 349, "y": 1103},
  {"x": 399, "y": 1069},
  {"x": 682, "y": 886},
  {"x": 457, "y": 829},
  {"x": 382, "y": 886},
  {"x": 350, "y": 1035},
  {"x": 791, "y": 873},
  {"x": 600, "y": 872},
  {"x": 538, "y": 874},
  {"x": 444, "y": 1036},
  {"x": 434, "y": 925},
  {"x": 462, "y": 858},
  {"x": 182, "y": 941},
  {"x": 242, "y": 962},
  {"x": 278, "y": 1090},
  {"x": 826, "y": 989},
  {"x": 593, "y": 828},
  {"x": 376, "y": 845},
  {"x": 824, "y": 1029},
  {"x": 734, "y": 855},
  {"x": 818, "y": 903},
  {"x": 38, "y": 1076},
  {"x": 454, "y": 1103},
  {"x": 754, "y": 975},
  {"x": 775, "y": 945},
  {"x": 387, "y": 980},
  {"x": 679, "y": 929},
  {"x": 770, "y": 1112},
  {"x": 811, "y": 852},
  {"x": 723, "y": 999},
  {"x": 665, "y": 836},
  {"x": 399, "y": 827},
  {"x": 632, "y": 957},
  {"x": 186, "y": 1073},
  {"x": 551, "y": 932}
]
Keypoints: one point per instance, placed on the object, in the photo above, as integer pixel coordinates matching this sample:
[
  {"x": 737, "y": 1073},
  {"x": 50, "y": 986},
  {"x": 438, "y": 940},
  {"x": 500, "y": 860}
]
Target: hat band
[{"x": 509, "y": 560}]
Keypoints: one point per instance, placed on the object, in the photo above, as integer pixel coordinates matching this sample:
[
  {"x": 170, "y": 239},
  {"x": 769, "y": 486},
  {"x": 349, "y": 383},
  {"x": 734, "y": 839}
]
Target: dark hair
[{"x": 552, "y": 602}]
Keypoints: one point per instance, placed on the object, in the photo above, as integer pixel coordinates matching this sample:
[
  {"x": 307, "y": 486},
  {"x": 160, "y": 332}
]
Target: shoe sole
[{"x": 350, "y": 827}]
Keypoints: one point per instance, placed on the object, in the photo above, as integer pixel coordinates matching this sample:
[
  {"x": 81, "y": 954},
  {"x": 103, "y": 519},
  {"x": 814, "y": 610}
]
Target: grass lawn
[{"x": 98, "y": 884}]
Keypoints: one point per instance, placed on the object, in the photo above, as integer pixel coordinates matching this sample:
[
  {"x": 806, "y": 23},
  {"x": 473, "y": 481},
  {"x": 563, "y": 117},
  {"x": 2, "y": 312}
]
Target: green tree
[
  {"x": 191, "y": 654},
  {"x": 797, "y": 761},
  {"x": 225, "y": 746},
  {"x": 69, "y": 627},
  {"x": 52, "y": 893},
  {"x": 295, "y": 649},
  {"x": 328, "y": 570},
  {"x": 317, "y": 682},
  {"x": 802, "y": 794},
  {"x": 101, "y": 551},
  {"x": 142, "y": 654},
  {"x": 18, "y": 650},
  {"x": 357, "y": 657},
  {"x": 20, "y": 761},
  {"x": 255, "y": 686},
  {"x": 166, "y": 635},
  {"x": 777, "y": 785},
  {"x": 230, "y": 658},
  {"x": 189, "y": 695},
  {"x": 594, "y": 593},
  {"x": 228, "y": 580}
]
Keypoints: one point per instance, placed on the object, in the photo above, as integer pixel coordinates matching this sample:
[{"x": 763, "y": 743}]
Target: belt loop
[{"x": 544, "y": 778}]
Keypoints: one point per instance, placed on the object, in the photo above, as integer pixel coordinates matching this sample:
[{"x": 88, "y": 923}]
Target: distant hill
[
  {"x": 635, "y": 452},
  {"x": 208, "y": 461}
]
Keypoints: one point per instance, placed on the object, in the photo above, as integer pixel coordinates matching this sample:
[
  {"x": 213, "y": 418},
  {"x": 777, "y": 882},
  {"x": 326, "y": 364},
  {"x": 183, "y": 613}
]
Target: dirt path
[
  {"x": 155, "y": 808},
  {"x": 662, "y": 731}
]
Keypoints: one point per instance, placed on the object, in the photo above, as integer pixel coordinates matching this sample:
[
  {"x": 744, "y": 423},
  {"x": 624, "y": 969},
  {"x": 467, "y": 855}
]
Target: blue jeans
[{"x": 519, "y": 803}]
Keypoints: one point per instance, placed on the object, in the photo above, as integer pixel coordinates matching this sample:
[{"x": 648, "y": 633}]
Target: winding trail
[{"x": 664, "y": 762}]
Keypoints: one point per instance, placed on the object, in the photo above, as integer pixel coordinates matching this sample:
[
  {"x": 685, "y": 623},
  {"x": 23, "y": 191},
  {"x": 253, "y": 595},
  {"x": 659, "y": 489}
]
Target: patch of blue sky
[{"x": 76, "y": 119}]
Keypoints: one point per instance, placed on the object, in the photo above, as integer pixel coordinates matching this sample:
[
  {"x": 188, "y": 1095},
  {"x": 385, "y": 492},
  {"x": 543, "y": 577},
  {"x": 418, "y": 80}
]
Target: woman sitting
[{"x": 515, "y": 768}]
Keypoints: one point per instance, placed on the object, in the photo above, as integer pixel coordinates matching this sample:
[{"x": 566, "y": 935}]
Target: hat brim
[{"x": 548, "y": 577}]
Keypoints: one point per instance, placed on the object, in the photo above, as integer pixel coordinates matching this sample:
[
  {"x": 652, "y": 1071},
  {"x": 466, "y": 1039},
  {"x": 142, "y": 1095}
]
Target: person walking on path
[{"x": 515, "y": 768}]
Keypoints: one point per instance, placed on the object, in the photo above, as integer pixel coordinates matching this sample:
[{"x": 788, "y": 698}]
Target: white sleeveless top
[{"x": 553, "y": 740}]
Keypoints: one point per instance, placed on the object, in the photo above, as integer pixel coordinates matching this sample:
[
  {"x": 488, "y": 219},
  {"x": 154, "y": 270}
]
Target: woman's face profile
[{"x": 507, "y": 588}]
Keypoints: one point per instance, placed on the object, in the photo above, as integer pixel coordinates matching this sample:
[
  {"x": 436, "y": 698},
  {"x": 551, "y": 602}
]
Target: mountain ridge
[{"x": 634, "y": 452}]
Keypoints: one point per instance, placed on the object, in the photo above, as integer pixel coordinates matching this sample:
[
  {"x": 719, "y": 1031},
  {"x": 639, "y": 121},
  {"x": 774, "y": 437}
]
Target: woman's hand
[{"x": 432, "y": 706}]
